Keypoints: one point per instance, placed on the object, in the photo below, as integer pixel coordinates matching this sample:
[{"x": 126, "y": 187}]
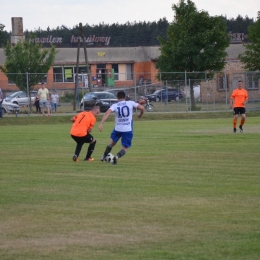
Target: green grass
[{"x": 187, "y": 189}]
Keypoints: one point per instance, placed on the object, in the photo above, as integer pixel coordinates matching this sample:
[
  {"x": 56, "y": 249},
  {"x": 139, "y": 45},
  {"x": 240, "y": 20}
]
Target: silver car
[
  {"x": 8, "y": 107},
  {"x": 20, "y": 98}
]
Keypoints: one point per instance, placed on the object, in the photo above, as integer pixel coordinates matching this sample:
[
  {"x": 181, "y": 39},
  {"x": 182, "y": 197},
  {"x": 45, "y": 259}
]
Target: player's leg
[
  {"x": 126, "y": 143},
  {"x": 91, "y": 149},
  {"x": 42, "y": 107},
  {"x": 115, "y": 136},
  {"x": 80, "y": 142},
  {"x": 235, "y": 112},
  {"x": 243, "y": 119}
]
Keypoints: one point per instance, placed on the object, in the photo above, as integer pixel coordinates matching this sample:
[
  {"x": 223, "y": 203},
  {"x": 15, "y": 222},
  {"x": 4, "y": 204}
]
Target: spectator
[
  {"x": 37, "y": 104},
  {"x": 44, "y": 97},
  {"x": 54, "y": 101}
]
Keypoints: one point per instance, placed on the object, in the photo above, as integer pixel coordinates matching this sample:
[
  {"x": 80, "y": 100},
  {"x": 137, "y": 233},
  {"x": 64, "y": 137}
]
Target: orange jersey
[
  {"x": 83, "y": 122},
  {"x": 239, "y": 96}
]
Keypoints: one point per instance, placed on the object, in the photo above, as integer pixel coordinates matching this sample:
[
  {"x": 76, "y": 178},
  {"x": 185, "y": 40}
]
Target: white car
[
  {"x": 20, "y": 97},
  {"x": 8, "y": 107}
]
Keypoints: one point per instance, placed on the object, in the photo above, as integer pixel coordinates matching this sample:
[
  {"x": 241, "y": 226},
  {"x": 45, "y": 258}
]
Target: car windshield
[
  {"x": 158, "y": 91},
  {"x": 14, "y": 94},
  {"x": 105, "y": 95}
]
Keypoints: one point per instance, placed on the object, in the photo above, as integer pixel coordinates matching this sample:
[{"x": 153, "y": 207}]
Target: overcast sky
[{"x": 53, "y": 13}]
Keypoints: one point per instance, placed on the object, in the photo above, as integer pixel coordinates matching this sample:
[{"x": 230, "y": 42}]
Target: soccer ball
[{"x": 109, "y": 158}]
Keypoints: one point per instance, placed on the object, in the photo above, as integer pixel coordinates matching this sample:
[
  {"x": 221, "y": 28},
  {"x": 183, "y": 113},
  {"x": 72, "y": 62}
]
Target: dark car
[
  {"x": 102, "y": 99},
  {"x": 20, "y": 98},
  {"x": 165, "y": 94}
]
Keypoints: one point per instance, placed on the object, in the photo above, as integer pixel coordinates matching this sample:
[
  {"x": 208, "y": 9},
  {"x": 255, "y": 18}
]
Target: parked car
[
  {"x": 114, "y": 92},
  {"x": 8, "y": 107},
  {"x": 165, "y": 94},
  {"x": 20, "y": 97},
  {"x": 102, "y": 99}
]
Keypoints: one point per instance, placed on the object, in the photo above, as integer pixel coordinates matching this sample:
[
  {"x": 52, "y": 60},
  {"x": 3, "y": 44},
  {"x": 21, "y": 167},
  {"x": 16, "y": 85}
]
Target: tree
[
  {"x": 195, "y": 42},
  {"x": 251, "y": 57},
  {"x": 27, "y": 57}
]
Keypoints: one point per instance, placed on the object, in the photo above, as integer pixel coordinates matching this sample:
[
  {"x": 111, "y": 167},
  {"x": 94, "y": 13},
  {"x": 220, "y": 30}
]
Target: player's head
[
  {"x": 120, "y": 95},
  {"x": 95, "y": 110},
  {"x": 240, "y": 84}
]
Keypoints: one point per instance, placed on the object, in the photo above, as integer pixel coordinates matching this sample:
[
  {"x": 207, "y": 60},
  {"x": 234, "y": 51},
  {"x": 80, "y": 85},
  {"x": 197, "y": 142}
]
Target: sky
[{"x": 53, "y": 13}]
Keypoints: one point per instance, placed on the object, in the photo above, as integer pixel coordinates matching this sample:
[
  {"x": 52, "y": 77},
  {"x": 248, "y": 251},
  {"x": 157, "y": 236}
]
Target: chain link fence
[{"x": 174, "y": 88}]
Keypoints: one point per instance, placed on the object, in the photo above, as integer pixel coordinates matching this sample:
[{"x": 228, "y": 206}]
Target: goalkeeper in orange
[
  {"x": 80, "y": 132},
  {"x": 238, "y": 101}
]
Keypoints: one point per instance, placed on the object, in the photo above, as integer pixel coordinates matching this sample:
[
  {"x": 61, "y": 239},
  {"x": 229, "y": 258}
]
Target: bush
[
  {"x": 68, "y": 97},
  {"x": 196, "y": 108}
]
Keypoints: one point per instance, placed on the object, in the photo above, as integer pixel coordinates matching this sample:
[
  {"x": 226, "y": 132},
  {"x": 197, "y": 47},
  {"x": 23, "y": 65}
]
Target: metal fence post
[
  {"x": 28, "y": 93},
  {"x": 226, "y": 88}
]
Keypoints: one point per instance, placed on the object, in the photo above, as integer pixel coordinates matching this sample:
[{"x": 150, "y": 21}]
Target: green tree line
[{"x": 130, "y": 34}]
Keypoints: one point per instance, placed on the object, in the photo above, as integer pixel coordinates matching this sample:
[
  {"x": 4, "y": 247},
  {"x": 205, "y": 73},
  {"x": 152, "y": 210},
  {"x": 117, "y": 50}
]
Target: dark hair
[{"x": 120, "y": 95}]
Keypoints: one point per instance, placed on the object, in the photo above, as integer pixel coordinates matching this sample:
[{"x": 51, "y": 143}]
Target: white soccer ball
[{"x": 109, "y": 158}]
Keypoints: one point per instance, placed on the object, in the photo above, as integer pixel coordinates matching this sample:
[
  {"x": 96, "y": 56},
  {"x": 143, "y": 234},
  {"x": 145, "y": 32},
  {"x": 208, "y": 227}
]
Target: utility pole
[
  {"x": 86, "y": 56},
  {"x": 81, "y": 38}
]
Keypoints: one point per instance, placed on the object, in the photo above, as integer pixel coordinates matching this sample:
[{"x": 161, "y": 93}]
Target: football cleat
[
  {"x": 234, "y": 130},
  {"x": 75, "y": 158},
  {"x": 240, "y": 129},
  {"x": 89, "y": 159},
  {"x": 102, "y": 158}
]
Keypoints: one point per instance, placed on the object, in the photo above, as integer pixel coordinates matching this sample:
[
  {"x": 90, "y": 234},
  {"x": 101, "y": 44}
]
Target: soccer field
[{"x": 187, "y": 189}]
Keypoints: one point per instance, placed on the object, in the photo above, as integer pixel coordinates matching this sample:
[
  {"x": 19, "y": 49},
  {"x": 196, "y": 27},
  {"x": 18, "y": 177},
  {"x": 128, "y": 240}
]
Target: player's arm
[
  {"x": 246, "y": 99},
  {"x": 104, "y": 118},
  {"x": 73, "y": 119},
  {"x": 141, "y": 108},
  {"x": 90, "y": 127},
  {"x": 231, "y": 102}
]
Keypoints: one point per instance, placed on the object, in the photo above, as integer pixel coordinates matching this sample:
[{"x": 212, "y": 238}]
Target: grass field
[{"x": 187, "y": 189}]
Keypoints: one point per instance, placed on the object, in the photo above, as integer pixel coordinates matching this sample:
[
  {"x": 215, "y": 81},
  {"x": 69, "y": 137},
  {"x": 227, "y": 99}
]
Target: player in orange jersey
[
  {"x": 83, "y": 124},
  {"x": 238, "y": 101}
]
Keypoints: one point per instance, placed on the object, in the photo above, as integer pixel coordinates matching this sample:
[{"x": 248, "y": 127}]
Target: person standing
[
  {"x": 1, "y": 101},
  {"x": 44, "y": 97},
  {"x": 83, "y": 124},
  {"x": 54, "y": 101},
  {"x": 123, "y": 125},
  {"x": 37, "y": 104},
  {"x": 238, "y": 101}
]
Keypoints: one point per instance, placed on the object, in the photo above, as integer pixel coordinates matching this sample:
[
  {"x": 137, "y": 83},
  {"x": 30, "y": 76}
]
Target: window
[
  {"x": 222, "y": 82},
  {"x": 67, "y": 73},
  {"x": 252, "y": 80},
  {"x": 31, "y": 76},
  {"x": 58, "y": 74},
  {"x": 116, "y": 71},
  {"x": 129, "y": 72},
  {"x": 101, "y": 66}
]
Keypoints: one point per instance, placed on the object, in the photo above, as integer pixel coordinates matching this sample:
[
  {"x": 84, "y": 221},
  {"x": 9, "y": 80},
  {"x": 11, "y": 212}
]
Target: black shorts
[
  {"x": 239, "y": 110},
  {"x": 83, "y": 139}
]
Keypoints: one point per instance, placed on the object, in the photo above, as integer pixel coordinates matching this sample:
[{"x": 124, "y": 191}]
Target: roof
[{"x": 118, "y": 54}]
